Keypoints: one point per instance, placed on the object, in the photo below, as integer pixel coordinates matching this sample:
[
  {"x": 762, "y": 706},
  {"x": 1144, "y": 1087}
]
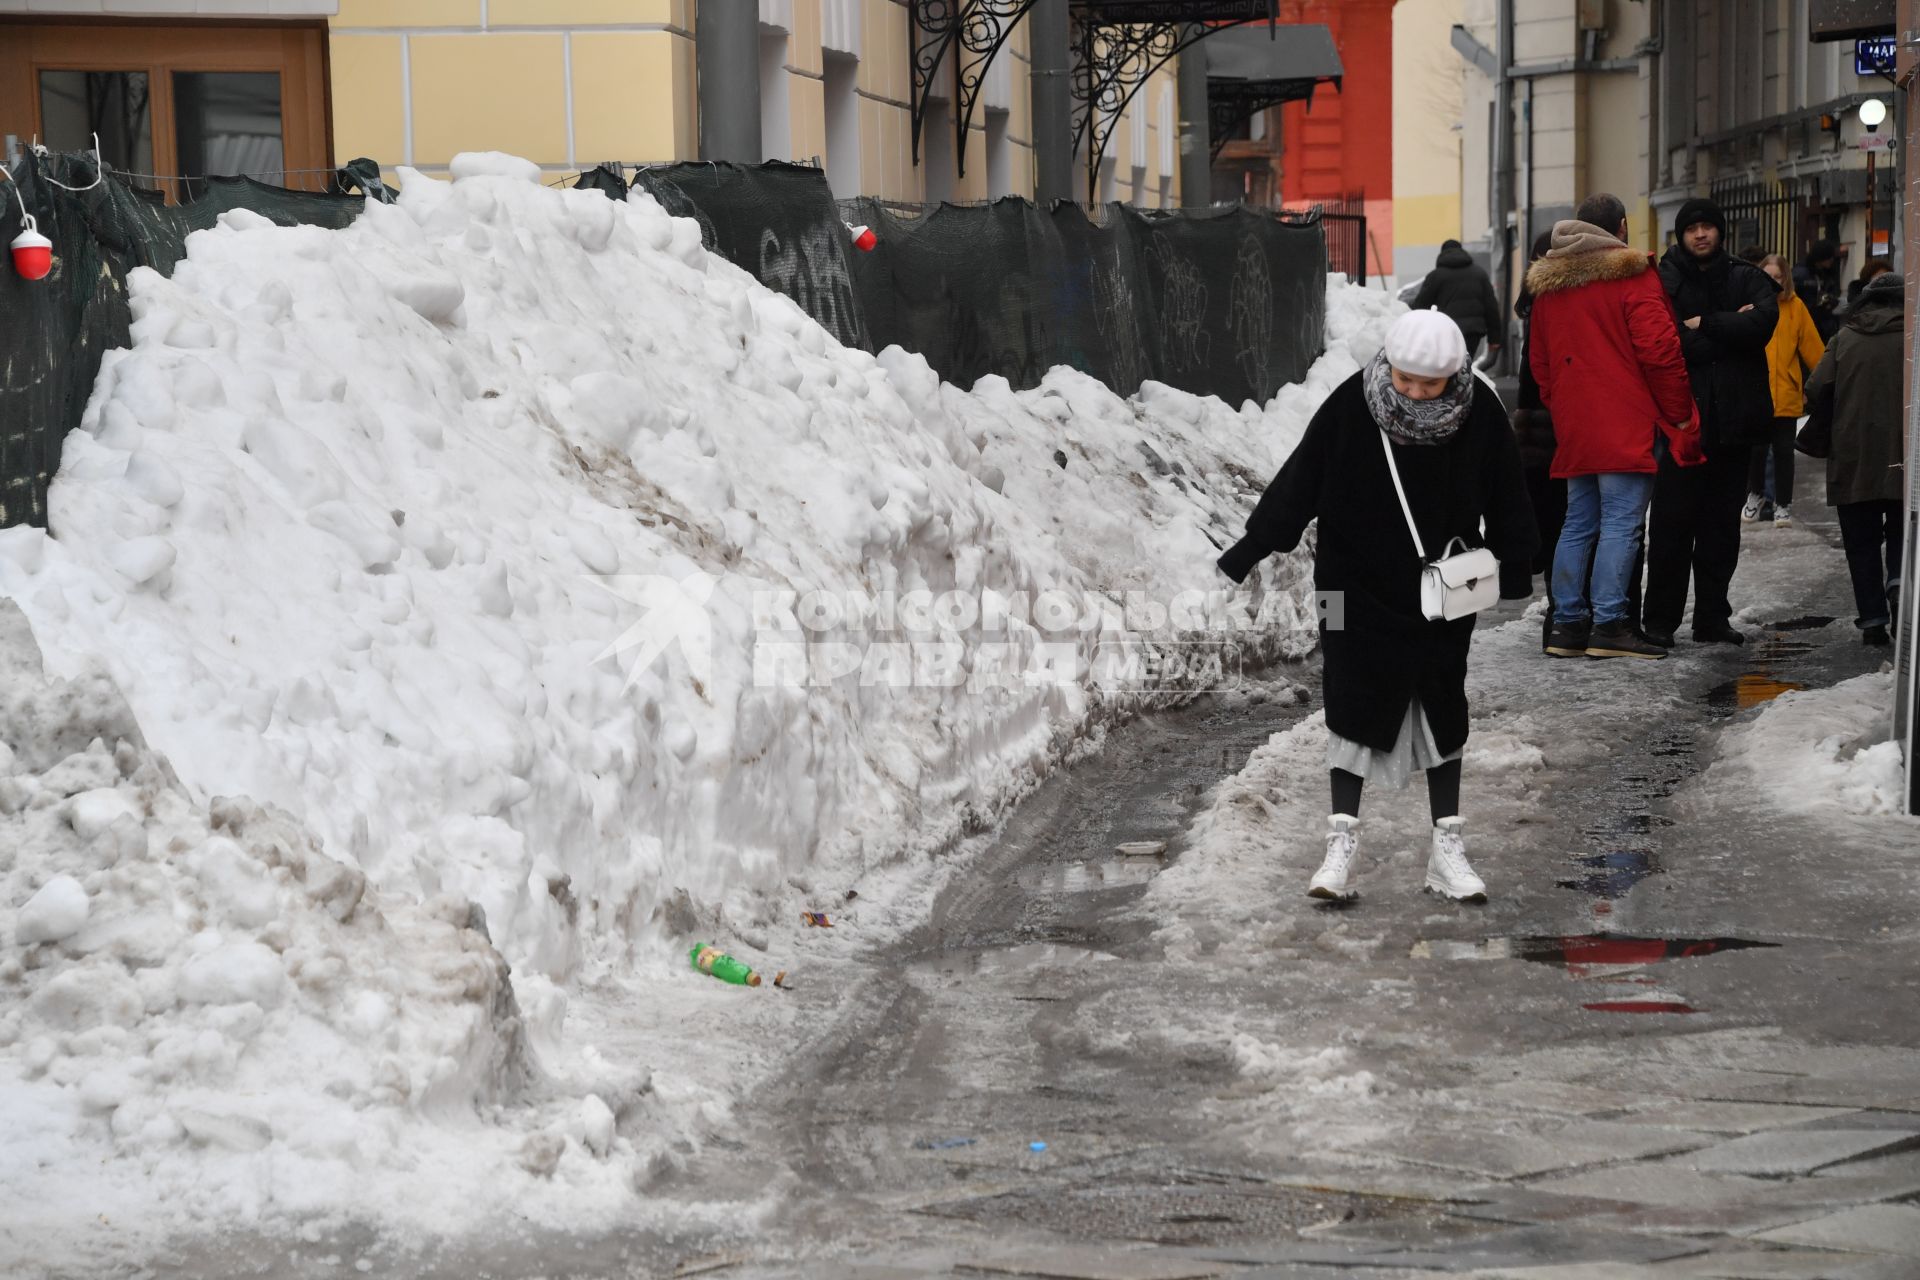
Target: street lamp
[{"x": 1873, "y": 112}]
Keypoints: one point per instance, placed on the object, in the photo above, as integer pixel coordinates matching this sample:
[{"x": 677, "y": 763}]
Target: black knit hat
[{"x": 1699, "y": 209}]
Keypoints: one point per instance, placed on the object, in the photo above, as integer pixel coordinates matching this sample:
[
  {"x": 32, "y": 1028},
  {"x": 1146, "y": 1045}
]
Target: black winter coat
[
  {"x": 1462, "y": 289},
  {"x": 1727, "y": 355},
  {"x": 1855, "y": 397},
  {"x": 1386, "y": 653},
  {"x": 1819, "y": 295}
]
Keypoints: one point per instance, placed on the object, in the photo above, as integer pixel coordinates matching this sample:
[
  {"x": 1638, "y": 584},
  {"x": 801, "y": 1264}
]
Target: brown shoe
[{"x": 1616, "y": 640}]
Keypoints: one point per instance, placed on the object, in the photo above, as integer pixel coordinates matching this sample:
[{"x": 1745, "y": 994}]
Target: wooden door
[{"x": 173, "y": 69}]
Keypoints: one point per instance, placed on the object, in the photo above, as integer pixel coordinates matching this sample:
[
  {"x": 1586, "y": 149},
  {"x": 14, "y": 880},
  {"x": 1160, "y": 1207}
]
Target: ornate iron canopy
[
  {"x": 1121, "y": 45},
  {"x": 1247, "y": 72},
  {"x": 973, "y": 32}
]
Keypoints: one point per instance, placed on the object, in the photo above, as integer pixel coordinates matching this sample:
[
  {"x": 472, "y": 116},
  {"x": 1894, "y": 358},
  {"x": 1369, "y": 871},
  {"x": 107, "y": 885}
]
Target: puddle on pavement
[
  {"x": 1749, "y": 689},
  {"x": 1030, "y": 957},
  {"x": 1805, "y": 622},
  {"x": 1640, "y": 1006},
  {"x": 1609, "y": 876},
  {"x": 1090, "y": 875},
  {"x": 1582, "y": 956}
]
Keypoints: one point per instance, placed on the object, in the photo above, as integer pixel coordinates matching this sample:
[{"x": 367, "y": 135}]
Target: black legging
[
  {"x": 1443, "y": 791},
  {"x": 1780, "y": 445}
]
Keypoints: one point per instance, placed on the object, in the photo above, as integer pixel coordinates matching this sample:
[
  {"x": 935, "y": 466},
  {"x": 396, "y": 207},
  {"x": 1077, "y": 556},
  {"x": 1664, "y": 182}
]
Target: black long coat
[
  {"x": 1727, "y": 355},
  {"x": 1387, "y": 652}
]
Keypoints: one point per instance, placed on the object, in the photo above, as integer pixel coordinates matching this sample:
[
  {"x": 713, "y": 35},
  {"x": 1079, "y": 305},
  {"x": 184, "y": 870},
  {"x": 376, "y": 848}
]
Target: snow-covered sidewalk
[{"x": 430, "y": 558}]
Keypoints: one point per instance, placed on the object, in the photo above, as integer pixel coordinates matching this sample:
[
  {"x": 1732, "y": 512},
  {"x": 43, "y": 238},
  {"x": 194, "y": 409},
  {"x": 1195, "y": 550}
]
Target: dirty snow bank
[
  {"x": 354, "y": 525},
  {"x": 1820, "y": 750},
  {"x": 197, "y": 1005}
]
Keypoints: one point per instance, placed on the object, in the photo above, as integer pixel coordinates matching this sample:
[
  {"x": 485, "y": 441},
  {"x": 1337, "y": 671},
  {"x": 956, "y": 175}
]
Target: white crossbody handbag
[{"x": 1461, "y": 582}]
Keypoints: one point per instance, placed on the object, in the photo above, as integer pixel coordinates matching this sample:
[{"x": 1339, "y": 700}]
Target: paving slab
[
  {"x": 1557, "y": 1098},
  {"x": 1873, "y": 1228},
  {"x": 1830, "y": 1092},
  {"x": 1796, "y": 1151},
  {"x": 1735, "y": 1117},
  {"x": 1760, "y": 1264},
  {"x": 1399, "y": 1182},
  {"x": 1536, "y": 1246},
  {"x": 1399, "y": 1234},
  {"x": 1869, "y": 1118},
  {"x": 1568, "y": 1271},
  {"x": 1307, "y": 1271},
  {"x": 1669, "y": 1185},
  {"x": 1067, "y": 1262},
  {"x": 1526, "y": 1154}
]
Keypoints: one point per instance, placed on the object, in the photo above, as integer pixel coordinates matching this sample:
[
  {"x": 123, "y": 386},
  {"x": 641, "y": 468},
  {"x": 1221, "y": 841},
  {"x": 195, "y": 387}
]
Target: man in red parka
[{"x": 1606, "y": 353}]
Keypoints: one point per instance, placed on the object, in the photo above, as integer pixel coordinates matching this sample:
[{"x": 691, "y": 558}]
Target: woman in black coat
[{"x": 1394, "y": 682}]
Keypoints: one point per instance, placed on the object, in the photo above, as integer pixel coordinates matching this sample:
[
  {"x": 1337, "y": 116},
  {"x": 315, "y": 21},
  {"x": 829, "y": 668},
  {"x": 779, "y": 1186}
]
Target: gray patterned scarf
[{"x": 1416, "y": 421}]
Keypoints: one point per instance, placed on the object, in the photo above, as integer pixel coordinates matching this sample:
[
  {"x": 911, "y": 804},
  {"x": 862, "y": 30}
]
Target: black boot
[
  {"x": 1616, "y": 640},
  {"x": 1568, "y": 639},
  {"x": 1717, "y": 633},
  {"x": 1876, "y": 636}
]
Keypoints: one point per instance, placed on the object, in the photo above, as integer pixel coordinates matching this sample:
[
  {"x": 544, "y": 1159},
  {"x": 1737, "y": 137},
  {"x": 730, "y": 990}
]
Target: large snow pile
[
  {"x": 200, "y": 1007},
  {"x": 358, "y": 518},
  {"x": 1821, "y": 750}
]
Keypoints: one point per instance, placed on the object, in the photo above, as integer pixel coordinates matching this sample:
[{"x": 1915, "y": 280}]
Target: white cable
[
  {"x": 99, "y": 170},
  {"x": 31, "y": 223}
]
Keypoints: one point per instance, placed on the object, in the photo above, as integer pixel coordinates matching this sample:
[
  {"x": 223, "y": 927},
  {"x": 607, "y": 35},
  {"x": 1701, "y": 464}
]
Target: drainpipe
[
  {"x": 1502, "y": 247},
  {"x": 1526, "y": 214},
  {"x": 1052, "y": 103},
  {"x": 1196, "y": 139},
  {"x": 726, "y": 42}
]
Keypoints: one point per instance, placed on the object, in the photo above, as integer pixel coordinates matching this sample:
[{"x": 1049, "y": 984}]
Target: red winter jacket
[{"x": 1606, "y": 353}]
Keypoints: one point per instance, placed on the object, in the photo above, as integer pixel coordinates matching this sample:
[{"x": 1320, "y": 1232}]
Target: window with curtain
[{"x": 228, "y": 122}]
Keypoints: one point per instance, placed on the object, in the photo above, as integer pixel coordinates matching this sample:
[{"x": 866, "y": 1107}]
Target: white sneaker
[
  {"x": 1782, "y": 517},
  {"x": 1756, "y": 503},
  {"x": 1449, "y": 874},
  {"x": 1330, "y": 881}
]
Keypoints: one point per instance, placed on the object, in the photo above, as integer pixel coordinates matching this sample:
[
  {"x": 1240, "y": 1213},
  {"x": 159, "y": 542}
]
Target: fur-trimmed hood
[{"x": 1583, "y": 254}]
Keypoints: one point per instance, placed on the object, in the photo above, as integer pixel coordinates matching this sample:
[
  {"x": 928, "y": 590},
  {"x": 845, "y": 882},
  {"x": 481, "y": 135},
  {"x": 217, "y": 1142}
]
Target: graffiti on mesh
[
  {"x": 681, "y": 205},
  {"x": 1116, "y": 315},
  {"x": 1183, "y": 308},
  {"x": 1252, "y": 307},
  {"x": 812, "y": 270}
]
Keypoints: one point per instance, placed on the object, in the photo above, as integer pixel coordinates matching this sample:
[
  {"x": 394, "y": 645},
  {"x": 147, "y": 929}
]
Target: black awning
[
  {"x": 1122, "y": 13},
  {"x": 1268, "y": 55}
]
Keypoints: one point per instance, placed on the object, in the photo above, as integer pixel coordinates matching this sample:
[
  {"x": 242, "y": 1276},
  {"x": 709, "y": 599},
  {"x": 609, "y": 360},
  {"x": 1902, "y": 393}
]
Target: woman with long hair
[{"x": 1793, "y": 353}]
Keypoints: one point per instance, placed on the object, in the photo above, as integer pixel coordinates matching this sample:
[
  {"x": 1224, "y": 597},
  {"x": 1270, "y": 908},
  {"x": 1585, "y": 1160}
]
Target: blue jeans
[{"x": 1611, "y": 511}]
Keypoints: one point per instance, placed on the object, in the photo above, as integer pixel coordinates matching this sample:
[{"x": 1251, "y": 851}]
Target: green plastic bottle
[{"x": 716, "y": 963}]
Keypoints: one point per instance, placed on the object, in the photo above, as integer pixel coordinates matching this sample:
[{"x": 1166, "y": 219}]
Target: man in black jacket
[
  {"x": 1817, "y": 281},
  {"x": 1461, "y": 287},
  {"x": 1726, "y": 309}
]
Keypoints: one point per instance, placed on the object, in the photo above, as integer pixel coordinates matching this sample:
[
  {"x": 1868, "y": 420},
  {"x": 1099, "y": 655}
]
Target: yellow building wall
[
  {"x": 570, "y": 84},
  {"x": 566, "y": 84},
  {"x": 1427, "y": 109}
]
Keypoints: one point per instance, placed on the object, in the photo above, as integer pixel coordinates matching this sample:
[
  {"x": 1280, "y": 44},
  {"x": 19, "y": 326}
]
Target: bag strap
[{"x": 1405, "y": 510}]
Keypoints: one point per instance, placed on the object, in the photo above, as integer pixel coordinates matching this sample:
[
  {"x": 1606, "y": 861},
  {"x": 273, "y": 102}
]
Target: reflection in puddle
[
  {"x": 1611, "y": 875},
  {"x": 1582, "y": 956},
  {"x": 1088, "y": 876},
  {"x": 1749, "y": 690},
  {"x": 1640, "y": 1006}
]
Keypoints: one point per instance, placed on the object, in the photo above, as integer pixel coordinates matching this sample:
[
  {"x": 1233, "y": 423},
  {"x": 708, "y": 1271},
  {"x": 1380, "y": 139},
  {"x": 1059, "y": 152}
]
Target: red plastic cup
[{"x": 32, "y": 254}]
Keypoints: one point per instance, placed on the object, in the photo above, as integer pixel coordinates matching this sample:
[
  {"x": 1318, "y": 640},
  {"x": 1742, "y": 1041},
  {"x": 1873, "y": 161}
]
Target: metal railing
[{"x": 1768, "y": 215}]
